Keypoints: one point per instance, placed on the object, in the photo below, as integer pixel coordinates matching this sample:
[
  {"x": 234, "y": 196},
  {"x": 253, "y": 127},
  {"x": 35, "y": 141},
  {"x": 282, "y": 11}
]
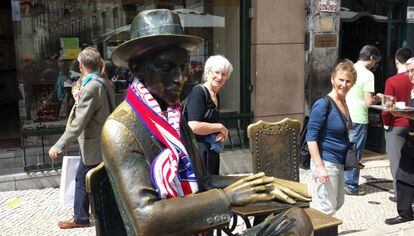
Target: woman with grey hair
[{"x": 203, "y": 113}]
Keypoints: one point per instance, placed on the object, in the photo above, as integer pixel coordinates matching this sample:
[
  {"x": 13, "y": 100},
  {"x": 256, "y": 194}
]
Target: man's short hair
[
  {"x": 90, "y": 59},
  {"x": 369, "y": 52},
  {"x": 402, "y": 55}
]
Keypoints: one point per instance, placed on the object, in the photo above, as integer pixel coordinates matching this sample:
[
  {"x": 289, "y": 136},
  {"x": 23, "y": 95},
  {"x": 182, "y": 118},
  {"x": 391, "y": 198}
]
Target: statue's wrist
[{"x": 224, "y": 196}]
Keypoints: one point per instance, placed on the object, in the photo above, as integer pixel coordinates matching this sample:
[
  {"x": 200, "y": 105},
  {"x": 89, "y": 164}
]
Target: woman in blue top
[{"x": 328, "y": 141}]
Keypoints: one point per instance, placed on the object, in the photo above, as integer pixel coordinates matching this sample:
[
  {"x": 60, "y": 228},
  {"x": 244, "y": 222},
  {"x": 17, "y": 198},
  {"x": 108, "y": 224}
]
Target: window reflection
[{"x": 50, "y": 33}]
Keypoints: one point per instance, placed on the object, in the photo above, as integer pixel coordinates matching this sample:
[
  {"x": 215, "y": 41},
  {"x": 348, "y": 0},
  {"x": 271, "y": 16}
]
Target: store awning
[
  {"x": 351, "y": 16},
  {"x": 190, "y": 18}
]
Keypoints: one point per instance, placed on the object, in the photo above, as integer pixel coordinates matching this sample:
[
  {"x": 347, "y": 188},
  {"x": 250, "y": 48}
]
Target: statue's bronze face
[{"x": 163, "y": 72}]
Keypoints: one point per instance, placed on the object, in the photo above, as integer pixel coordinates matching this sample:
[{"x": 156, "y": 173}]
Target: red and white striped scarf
[{"x": 172, "y": 173}]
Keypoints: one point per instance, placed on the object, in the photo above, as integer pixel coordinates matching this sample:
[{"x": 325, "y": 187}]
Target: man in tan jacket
[{"x": 85, "y": 122}]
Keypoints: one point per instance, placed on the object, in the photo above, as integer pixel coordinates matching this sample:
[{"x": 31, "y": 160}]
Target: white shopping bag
[{"x": 67, "y": 180}]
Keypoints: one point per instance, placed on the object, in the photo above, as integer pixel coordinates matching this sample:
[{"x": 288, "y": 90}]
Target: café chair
[
  {"x": 275, "y": 148},
  {"x": 108, "y": 220}
]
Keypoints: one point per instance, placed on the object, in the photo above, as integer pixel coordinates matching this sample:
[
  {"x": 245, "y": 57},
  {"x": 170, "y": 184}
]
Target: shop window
[{"x": 78, "y": 24}]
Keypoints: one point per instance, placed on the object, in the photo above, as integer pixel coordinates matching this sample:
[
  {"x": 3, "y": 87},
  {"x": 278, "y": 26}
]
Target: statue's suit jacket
[
  {"x": 128, "y": 150},
  {"x": 86, "y": 120}
]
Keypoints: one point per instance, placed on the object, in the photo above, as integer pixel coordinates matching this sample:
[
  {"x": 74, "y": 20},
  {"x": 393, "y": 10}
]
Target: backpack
[{"x": 304, "y": 155}]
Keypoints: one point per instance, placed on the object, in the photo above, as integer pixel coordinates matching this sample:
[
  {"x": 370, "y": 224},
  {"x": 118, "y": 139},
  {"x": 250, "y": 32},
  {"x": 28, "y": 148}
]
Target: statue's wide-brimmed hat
[{"x": 153, "y": 29}]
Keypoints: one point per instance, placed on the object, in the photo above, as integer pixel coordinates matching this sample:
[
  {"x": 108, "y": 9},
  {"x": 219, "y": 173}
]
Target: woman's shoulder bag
[
  {"x": 351, "y": 158},
  {"x": 304, "y": 155}
]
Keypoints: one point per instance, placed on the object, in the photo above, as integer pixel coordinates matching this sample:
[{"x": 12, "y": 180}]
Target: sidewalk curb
[{"x": 32, "y": 180}]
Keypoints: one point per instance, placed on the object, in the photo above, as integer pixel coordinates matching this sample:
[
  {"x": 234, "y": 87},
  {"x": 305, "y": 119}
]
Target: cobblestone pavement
[{"x": 36, "y": 212}]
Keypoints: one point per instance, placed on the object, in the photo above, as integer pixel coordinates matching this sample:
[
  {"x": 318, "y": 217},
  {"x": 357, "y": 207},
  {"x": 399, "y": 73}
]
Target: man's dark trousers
[
  {"x": 404, "y": 200},
  {"x": 81, "y": 203}
]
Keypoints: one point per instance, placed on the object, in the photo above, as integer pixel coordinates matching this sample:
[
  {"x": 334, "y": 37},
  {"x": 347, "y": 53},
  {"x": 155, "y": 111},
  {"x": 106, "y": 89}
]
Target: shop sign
[
  {"x": 325, "y": 41},
  {"x": 71, "y": 53},
  {"x": 69, "y": 42},
  {"x": 326, "y": 24},
  {"x": 327, "y": 5},
  {"x": 410, "y": 14}
]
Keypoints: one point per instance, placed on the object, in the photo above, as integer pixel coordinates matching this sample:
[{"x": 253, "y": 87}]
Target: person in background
[
  {"x": 203, "y": 113},
  {"x": 75, "y": 80},
  {"x": 405, "y": 172},
  {"x": 29, "y": 75},
  {"x": 396, "y": 127},
  {"x": 63, "y": 76},
  {"x": 328, "y": 140},
  {"x": 85, "y": 123},
  {"x": 359, "y": 98}
]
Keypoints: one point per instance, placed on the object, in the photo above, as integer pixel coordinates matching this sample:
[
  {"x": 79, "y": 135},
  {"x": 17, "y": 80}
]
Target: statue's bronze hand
[
  {"x": 249, "y": 190},
  {"x": 287, "y": 191}
]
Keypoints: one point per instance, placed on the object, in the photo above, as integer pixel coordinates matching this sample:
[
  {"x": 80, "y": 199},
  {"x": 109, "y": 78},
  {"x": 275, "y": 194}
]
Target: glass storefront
[
  {"x": 39, "y": 44},
  {"x": 43, "y": 37}
]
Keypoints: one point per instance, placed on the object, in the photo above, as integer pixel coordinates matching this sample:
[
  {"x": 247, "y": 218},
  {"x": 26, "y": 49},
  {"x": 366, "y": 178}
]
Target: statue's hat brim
[
  {"x": 153, "y": 29},
  {"x": 139, "y": 46}
]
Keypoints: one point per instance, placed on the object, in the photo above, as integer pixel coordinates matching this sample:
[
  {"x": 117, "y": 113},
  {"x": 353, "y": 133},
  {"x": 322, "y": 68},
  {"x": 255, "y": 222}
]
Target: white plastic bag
[{"x": 67, "y": 180}]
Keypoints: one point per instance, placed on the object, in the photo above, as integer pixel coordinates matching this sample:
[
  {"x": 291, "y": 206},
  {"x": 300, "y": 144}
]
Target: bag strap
[
  {"x": 205, "y": 90},
  {"x": 111, "y": 107},
  {"x": 343, "y": 118},
  {"x": 306, "y": 122},
  {"x": 185, "y": 101}
]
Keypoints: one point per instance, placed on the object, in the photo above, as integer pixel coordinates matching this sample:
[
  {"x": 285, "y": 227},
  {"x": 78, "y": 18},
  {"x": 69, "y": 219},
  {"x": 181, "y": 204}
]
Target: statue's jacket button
[{"x": 217, "y": 219}]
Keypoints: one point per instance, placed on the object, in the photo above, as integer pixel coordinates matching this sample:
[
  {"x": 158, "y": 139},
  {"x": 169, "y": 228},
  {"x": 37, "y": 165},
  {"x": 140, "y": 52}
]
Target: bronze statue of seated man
[{"x": 160, "y": 183}]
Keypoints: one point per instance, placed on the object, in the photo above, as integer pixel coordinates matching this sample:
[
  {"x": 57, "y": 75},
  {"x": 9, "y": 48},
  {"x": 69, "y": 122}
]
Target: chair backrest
[
  {"x": 108, "y": 220},
  {"x": 275, "y": 148}
]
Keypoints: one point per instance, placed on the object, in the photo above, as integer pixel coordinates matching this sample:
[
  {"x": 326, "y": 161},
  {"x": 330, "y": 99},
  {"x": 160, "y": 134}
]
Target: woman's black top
[{"x": 200, "y": 107}]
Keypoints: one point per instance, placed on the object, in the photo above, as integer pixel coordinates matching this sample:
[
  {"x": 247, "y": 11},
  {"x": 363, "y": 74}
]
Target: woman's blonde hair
[
  {"x": 347, "y": 66},
  {"x": 217, "y": 61}
]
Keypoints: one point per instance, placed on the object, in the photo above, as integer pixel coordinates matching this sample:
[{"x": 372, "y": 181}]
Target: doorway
[{"x": 355, "y": 32}]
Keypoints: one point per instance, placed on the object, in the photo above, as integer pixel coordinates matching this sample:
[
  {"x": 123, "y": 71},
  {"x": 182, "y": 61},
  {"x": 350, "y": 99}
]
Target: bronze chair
[
  {"x": 275, "y": 151},
  {"x": 275, "y": 148},
  {"x": 108, "y": 220}
]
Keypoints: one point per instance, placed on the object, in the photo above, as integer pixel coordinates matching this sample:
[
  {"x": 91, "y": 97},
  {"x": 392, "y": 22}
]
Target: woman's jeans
[{"x": 357, "y": 134}]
